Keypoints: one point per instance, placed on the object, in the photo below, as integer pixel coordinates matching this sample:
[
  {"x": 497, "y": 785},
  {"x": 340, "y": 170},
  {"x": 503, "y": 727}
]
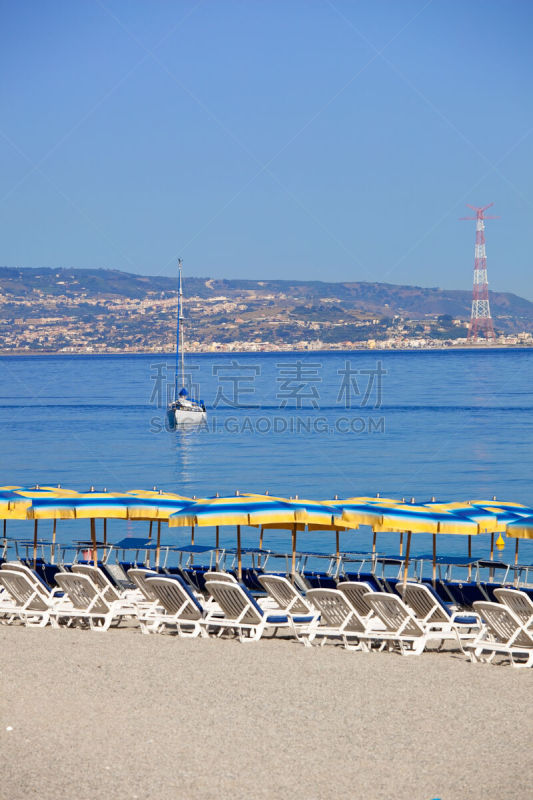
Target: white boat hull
[{"x": 183, "y": 416}]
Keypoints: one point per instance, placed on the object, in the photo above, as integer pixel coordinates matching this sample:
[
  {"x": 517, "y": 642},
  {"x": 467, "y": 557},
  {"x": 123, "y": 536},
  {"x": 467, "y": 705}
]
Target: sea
[{"x": 450, "y": 425}]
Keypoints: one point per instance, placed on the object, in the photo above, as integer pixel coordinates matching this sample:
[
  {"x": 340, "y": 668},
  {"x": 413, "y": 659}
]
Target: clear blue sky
[{"x": 311, "y": 140}]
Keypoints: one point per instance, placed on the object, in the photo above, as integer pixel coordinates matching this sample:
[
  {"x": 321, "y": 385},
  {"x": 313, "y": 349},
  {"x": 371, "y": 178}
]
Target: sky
[{"x": 306, "y": 139}]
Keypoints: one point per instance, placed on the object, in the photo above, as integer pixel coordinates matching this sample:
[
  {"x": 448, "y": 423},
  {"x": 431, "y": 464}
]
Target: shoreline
[{"x": 169, "y": 353}]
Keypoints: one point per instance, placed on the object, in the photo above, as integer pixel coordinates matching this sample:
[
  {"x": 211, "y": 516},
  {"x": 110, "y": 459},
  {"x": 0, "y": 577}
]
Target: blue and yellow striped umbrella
[
  {"x": 521, "y": 528},
  {"x": 16, "y": 500},
  {"x": 154, "y": 504},
  {"x": 232, "y": 510}
]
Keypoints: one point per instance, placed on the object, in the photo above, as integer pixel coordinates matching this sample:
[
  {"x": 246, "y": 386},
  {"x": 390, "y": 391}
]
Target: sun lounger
[
  {"x": 177, "y": 607},
  {"x": 227, "y": 577},
  {"x": 83, "y": 601},
  {"x": 338, "y": 620},
  {"x": 355, "y": 591},
  {"x": 400, "y": 626},
  {"x": 433, "y": 614},
  {"x": 31, "y": 574},
  {"x": 146, "y": 599},
  {"x": 243, "y": 614},
  {"x": 28, "y": 602},
  {"x": 285, "y": 596},
  {"x": 108, "y": 591},
  {"x": 363, "y": 577},
  {"x": 519, "y": 602},
  {"x": 504, "y": 633}
]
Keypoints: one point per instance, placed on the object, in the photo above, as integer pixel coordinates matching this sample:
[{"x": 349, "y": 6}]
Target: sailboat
[{"x": 183, "y": 409}]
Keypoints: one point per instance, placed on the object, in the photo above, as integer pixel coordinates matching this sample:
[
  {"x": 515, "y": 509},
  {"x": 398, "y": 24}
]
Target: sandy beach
[{"x": 119, "y": 714}]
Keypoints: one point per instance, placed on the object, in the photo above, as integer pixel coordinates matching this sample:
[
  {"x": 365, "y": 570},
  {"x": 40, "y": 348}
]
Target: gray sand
[{"x": 122, "y": 715}]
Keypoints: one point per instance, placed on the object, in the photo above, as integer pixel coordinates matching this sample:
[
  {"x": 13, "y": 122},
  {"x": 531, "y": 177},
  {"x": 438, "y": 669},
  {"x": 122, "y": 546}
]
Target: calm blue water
[{"x": 456, "y": 425}]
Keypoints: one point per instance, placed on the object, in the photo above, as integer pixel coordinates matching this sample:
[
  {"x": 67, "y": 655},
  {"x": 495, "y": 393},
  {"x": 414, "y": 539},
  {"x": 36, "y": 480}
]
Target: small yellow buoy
[{"x": 500, "y": 544}]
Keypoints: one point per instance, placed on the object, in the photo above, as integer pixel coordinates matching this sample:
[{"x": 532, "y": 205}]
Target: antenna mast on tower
[{"x": 480, "y": 320}]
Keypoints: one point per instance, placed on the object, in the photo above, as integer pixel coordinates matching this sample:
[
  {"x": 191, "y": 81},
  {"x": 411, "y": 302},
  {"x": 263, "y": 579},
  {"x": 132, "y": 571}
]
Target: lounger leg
[
  {"x": 521, "y": 664},
  {"x": 349, "y": 646}
]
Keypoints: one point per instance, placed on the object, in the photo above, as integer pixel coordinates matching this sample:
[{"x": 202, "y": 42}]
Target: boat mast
[
  {"x": 179, "y": 338},
  {"x": 182, "y": 332}
]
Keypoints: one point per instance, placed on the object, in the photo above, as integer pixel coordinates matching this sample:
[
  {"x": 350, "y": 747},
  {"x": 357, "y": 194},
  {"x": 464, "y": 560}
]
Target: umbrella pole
[
  {"x": 338, "y": 549},
  {"x": 35, "y": 544},
  {"x": 406, "y": 563},
  {"x": 293, "y": 564},
  {"x": 53, "y": 552},
  {"x": 192, "y": 543},
  {"x": 260, "y": 545},
  {"x": 516, "y": 562},
  {"x": 401, "y": 544},
  {"x": 491, "y": 571},
  {"x": 93, "y": 539},
  {"x": 374, "y": 539},
  {"x": 469, "y": 556},
  {"x": 158, "y": 544},
  {"x": 239, "y": 555},
  {"x": 217, "y": 543},
  {"x": 147, "y": 554},
  {"x": 434, "y": 560}
]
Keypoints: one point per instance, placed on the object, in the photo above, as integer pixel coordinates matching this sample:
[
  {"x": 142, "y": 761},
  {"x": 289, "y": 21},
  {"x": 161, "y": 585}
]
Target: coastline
[{"x": 169, "y": 353}]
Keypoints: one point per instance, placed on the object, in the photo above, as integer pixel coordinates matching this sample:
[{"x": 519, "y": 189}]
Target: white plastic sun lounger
[
  {"x": 244, "y": 615},
  {"x": 28, "y": 603},
  {"x": 83, "y": 601},
  {"x": 147, "y": 601},
  {"x": 285, "y": 596},
  {"x": 355, "y": 591},
  {"x": 401, "y": 627},
  {"x": 502, "y": 633},
  {"x": 108, "y": 591},
  {"x": 220, "y": 576},
  {"x": 519, "y": 602},
  {"x": 338, "y": 620},
  {"x": 433, "y": 614},
  {"x": 33, "y": 577},
  {"x": 177, "y": 607},
  {"x": 138, "y": 576}
]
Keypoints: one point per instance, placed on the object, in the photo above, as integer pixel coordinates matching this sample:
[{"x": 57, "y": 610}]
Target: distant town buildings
[{"x": 68, "y": 320}]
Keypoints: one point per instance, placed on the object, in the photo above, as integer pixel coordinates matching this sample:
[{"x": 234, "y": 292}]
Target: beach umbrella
[
  {"x": 15, "y": 500},
  {"x": 83, "y": 505},
  {"x": 356, "y": 510},
  {"x": 238, "y": 510},
  {"x": 216, "y": 511},
  {"x": 521, "y": 528},
  {"x": 492, "y": 517},
  {"x": 154, "y": 504},
  {"x": 295, "y": 514},
  {"x": 424, "y": 518},
  {"x": 256, "y": 510}
]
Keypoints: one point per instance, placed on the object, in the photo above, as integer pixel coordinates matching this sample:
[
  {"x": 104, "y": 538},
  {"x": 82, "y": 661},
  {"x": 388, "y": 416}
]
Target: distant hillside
[
  {"x": 381, "y": 299},
  {"x": 102, "y": 310}
]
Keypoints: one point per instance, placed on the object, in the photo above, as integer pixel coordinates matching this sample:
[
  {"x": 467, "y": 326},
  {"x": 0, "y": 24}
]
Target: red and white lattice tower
[{"x": 480, "y": 320}]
